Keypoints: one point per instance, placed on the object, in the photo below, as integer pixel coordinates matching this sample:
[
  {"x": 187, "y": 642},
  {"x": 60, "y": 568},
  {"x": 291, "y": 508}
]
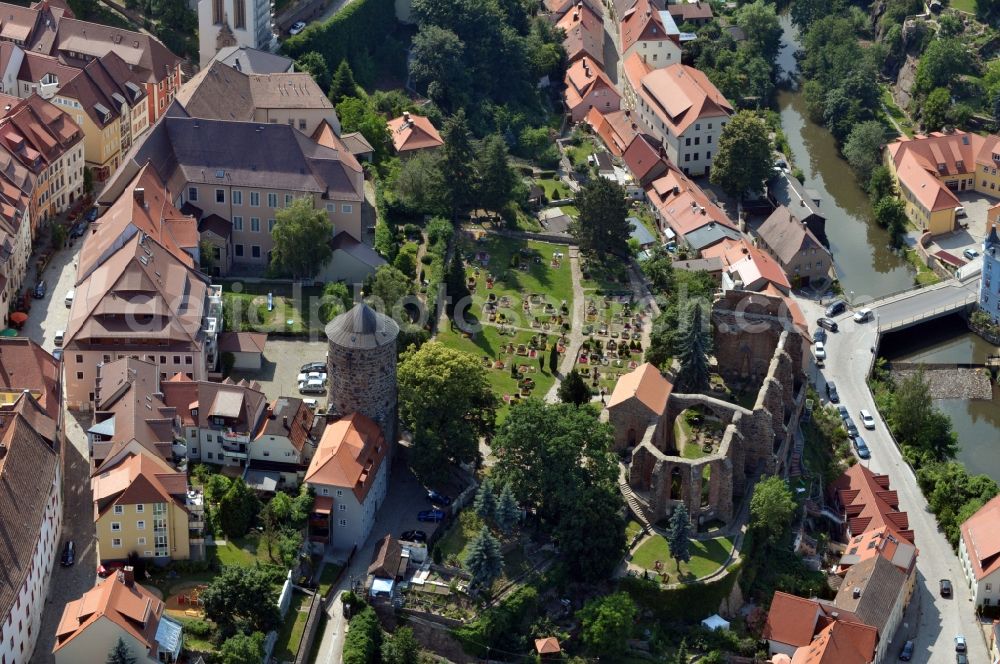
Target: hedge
[
  {"x": 688, "y": 603},
  {"x": 364, "y": 638},
  {"x": 351, "y": 34}
]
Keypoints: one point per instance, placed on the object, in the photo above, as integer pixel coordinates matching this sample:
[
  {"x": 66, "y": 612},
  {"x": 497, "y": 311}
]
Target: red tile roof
[
  {"x": 616, "y": 129},
  {"x": 646, "y": 384},
  {"x": 840, "y": 642},
  {"x": 679, "y": 95},
  {"x": 584, "y": 77},
  {"x": 792, "y": 620},
  {"x": 644, "y": 158},
  {"x": 349, "y": 455},
  {"x": 981, "y": 534},
  {"x": 868, "y": 502},
  {"x": 413, "y": 132},
  {"x": 584, "y": 30},
  {"x": 640, "y": 23},
  {"x": 683, "y": 205}
]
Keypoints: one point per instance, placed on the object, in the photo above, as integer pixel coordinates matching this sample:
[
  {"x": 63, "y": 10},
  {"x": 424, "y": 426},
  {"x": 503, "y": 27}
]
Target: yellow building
[
  {"x": 930, "y": 170},
  {"x": 140, "y": 507}
]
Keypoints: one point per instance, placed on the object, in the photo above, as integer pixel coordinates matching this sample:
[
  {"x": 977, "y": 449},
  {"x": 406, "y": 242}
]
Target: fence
[
  {"x": 285, "y": 598},
  {"x": 309, "y": 632}
]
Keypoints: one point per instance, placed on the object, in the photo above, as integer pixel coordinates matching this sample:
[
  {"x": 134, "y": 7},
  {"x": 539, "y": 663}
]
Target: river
[
  {"x": 865, "y": 263},
  {"x": 866, "y": 266}
]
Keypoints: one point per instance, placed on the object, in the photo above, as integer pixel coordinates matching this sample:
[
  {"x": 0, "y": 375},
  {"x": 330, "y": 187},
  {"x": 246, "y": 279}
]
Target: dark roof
[
  {"x": 357, "y": 249},
  {"x": 356, "y": 143},
  {"x": 251, "y": 61},
  {"x": 787, "y": 235},
  {"x": 242, "y": 342},
  {"x": 713, "y": 264},
  {"x": 386, "y": 562},
  {"x": 992, "y": 240},
  {"x": 215, "y": 224},
  {"x": 788, "y": 191},
  {"x": 362, "y": 327},
  {"x": 870, "y": 590},
  {"x": 709, "y": 234}
]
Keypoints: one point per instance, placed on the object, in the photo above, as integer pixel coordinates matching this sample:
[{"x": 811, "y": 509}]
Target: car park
[
  {"x": 297, "y": 27},
  {"x": 438, "y": 498},
  {"x": 68, "y": 554},
  {"x": 413, "y": 536},
  {"x": 852, "y": 428},
  {"x": 960, "y": 645},
  {"x": 970, "y": 253},
  {"x": 828, "y": 323},
  {"x": 41, "y": 288},
  {"x": 430, "y": 515},
  {"x": 863, "y": 316},
  {"x": 867, "y": 421},
  {"x": 862, "y": 448},
  {"x": 831, "y": 392},
  {"x": 907, "y": 652},
  {"x": 819, "y": 334},
  {"x": 945, "y": 587},
  {"x": 819, "y": 350},
  {"x": 836, "y": 307}
]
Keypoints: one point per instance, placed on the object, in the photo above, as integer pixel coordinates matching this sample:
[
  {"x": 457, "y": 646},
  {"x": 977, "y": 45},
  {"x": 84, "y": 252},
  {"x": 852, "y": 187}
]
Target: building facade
[
  {"x": 651, "y": 34},
  {"x": 979, "y": 554},
  {"x": 989, "y": 284},
  {"x": 228, "y": 23}
]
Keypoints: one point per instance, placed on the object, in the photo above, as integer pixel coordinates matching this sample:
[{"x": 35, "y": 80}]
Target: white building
[
  {"x": 989, "y": 285},
  {"x": 32, "y": 488},
  {"x": 652, "y": 34},
  {"x": 223, "y": 23},
  {"x": 979, "y": 553}
]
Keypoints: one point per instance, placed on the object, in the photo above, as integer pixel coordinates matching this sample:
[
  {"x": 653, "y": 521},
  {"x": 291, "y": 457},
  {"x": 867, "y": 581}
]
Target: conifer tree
[
  {"x": 694, "y": 346},
  {"x": 678, "y": 535},
  {"x": 484, "y": 560}
]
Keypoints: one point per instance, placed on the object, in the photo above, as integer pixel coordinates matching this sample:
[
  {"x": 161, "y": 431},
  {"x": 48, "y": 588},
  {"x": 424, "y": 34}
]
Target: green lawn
[
  {"x": 896, "y": 112},
  {"x": 192, "y": 642},
  {"x": 245, "y": 307},
  {"x": 570, "y": 210},
  {"x": 964, "y": 5},
  {"x": 554, "y": 188},
  {"x": 534, "y": 276},
  {"x": 458, "y": 536},
  {"x": 290, "y": 636},
  {"x": 633, "y": 528},
  {"x": 706, "y": 557},
  {"x": 578, "y": 153},
  {"x": 925, "y": 276},
  {"x": 327, "y": 577},
  {"x": 243, "y": 552}
]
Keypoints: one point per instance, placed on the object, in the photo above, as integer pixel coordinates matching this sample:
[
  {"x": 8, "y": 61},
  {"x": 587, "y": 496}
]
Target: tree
[
  {"x": 456, "y": 165},
  {"x": 458, "y": 288},
  {"x": 744, "y": 159},
  {"x": 574, "y": 389},
  {"x": 606, "y": 623},
  {"x": 243, "y": 649},
  {"x": 917, "y": 423},
  {"x": 314, "y": 64},
  {"x": 120, "y": 654},
  {"x": 554, "y": 359},
  {"x": 659, "y": 270},
  {"x": 206, "y": 256},
  {"x": 242, "y": 599},
  {"x": 880, "y": 184},
  {"x": 602, "y": 228},
  {"x": 486, "y": 501},
  {"x": 507, "y": 512},
  {"x": 936, "y": 108},
  {"x": 890, "y": 213},
  {"x": 762, "y": 27},
  {"x": 336, "y": 299},
  {"x": 364, "y": 637},
  {"x": 216, "y": 487},
  {"x": 445, "y": 400},
  {"x": 274, "y": 516},
  {"x": 496, "y": 179},
  {"x": 693, "y": 348},
  {"x": 406, "y": 260},
  {"x": 343, "y": 85},
  {"x": 400, "y": 647},
  {"x": 387, "y": 291},
  {"x": 301, "y": 239},
  {"x": 941, "y": 64},
  {"x": 437, "y": 63},
  {"x": 988, "y": 11},
  {"x": 237, "y": 509},
  {"x": 418, "y": 185},
  {"x": 863, "y": 149},
  {"x": 681, "y": 656},
  {"x": 358, "y": 115},
  {"x": 771, "y": 509},
  {"x": 679, "y": 535},
  {"x": 484, "y": 560}
]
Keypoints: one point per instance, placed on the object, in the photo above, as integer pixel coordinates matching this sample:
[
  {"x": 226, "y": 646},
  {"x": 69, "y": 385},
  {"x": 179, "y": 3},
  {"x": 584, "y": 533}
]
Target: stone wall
[{"x": 364, "y": 381}]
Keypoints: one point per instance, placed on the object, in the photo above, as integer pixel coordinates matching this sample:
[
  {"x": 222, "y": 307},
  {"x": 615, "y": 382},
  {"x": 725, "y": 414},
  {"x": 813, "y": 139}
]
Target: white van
[
  {"x": 69, "y": 299},
  {"x": 59, "y": 337}
]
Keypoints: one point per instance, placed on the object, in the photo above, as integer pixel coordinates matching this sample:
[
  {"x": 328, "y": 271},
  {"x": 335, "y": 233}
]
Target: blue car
[
  {"x": 438, "y": 498},
  {"x": 430, "y": 515},
  {"x": 861, "y": 448},
  {"x": 91, "y": 215}
]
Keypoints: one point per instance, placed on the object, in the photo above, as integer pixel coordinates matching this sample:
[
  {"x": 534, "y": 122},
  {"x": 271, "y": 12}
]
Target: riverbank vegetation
[{"x": 929, "y": 444}]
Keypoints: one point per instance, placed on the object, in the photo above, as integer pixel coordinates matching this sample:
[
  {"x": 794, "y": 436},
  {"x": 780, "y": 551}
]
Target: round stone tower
[{"x": 361, "y": 366}]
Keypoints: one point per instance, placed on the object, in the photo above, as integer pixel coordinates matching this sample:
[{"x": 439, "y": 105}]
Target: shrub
[{"x": 364, "y": 638}]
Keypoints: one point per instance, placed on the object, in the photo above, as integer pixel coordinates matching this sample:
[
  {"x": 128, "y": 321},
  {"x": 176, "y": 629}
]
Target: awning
[
  {"x": 8, "y": 333},
  {"x": 323, "y": 505},
  {"x": 380, "y": 586},
  {"x": 18, "y": 317}
]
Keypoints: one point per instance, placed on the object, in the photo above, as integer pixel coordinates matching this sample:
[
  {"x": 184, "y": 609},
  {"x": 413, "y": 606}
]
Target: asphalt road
[
  {"x": 928, "y": 299},
  {"x": 932, "y": 622}
]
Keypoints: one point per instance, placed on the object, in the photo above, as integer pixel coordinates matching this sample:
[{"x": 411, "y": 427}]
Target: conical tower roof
[
  {"x": 362, "y": 327},
  {"x": 992, "y": 240}
]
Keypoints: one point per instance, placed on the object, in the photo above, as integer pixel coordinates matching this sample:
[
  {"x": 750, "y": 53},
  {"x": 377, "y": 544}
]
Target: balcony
[
  {"x": 196, "y": 522},
  {"x": 234, "y": 453}
]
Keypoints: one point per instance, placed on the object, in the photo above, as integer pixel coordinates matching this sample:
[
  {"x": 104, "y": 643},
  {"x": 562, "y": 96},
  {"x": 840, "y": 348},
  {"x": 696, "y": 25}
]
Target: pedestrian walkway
[{"x": 568, "y": 360}]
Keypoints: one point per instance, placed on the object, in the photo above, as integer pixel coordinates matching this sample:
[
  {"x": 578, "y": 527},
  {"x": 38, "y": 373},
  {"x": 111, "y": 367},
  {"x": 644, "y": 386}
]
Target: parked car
[
  {"x": 413, "y": 536},
  {"x": 842, "y": 410},
  {"x": 41, "y": 288},
  {"x": 863, "y": 316},
  {"x": 430, "y": 515},
  {"x": 313, "y": 366},
  {"x": 91, "y": 215},
  {"x": 961, "y": 658},
  {"x": 861, "y": 448},
  {"x": 312, "y": 386},
  {"x": 69, "y": 298},
  {"x": 828, "y": 323},
  {"x": 852, "y": 428},
  {"x": 907, "y": 652},
  {"x": 945, "y": 587},
  {"x": 79, "y": 228},
  {"x": 819, "y": 350},
  {"x": 311, "y": 404},
  {"x": 867, "y": 420},
  {"x": 819, "y": 334},
  {"x": 312, "y": 375},
  {"x": 960, "y": 645},
  {"x": 438, "y": 498},
  {"x": 58, "y": 340},
  {"x": 836, "y": 307},
  {"x": 68, "y": 554},
  {"x": 297, "y": 27},
  {"x": 831, "y": 392},
  {"x": 970, "y": 253}
]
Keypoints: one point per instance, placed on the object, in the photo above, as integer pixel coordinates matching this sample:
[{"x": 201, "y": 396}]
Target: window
[
  {"x": 272, "y": 200},
  {"x": 340, "y": 492},
  {"x": 254, "y": 224},
  {"x": 989, "y": 586},
  {"x": 331, "y": 207},
  {"x": 140, "y": 508},
  {"x": 687, "y": 157},
  {"x": 116, "y": 543},
  {"x": 270, "y": 225},
  {"x": 141, "y": 541},
  {"x": 220, "y": 195},
  {"x": 697, "y": 127},
  {"x": 237, "y": 197},
  {"x": 79, "y": 359},
  {"x": 116, "y": 526},
  {"x": 343, "y": 507},
  {"x": 288, "y": 200},
  {"x": 177, "y": 359},
  {"x": 708, "y": 155},
  {"x": 239, "y": 250},
  {"x": 119, "y": 509},
  {"x": 254, "y": 199},
  {"x": 237, "y": 223},
  {"x": 255, "y": 251},
  {"x": 140, "y": 525},
  {"x": 79, "y": 375},
  {"x": 347, "y": 208},
  {"x": 187, "y": 359},
  {"x": 326, "y": 492},
  {"x": 687, "y": 141},
  {"x": 708, "y": 140},
  {"x": 343, "y": 523},
  {"x": 192, "y": 193}
]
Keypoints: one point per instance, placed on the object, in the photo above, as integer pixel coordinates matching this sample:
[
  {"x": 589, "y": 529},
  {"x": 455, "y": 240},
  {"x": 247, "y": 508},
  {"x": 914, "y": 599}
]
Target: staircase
[
  {"x": 633, "y": 503},
  {"x": 795, "y": 466}
]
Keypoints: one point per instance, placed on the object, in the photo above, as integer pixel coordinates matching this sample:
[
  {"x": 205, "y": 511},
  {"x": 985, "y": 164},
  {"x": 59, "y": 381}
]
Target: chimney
[
  {"x": 834, "y": 615},
  {"x": 802, "y": 202},
  {"x": 857, "y": 592},
  {"x": 677, "y": 190},
  {"x": 139, "y": 194},
  {"x": 406, "y": 116},
  {"x": 128, "y": 575}
]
